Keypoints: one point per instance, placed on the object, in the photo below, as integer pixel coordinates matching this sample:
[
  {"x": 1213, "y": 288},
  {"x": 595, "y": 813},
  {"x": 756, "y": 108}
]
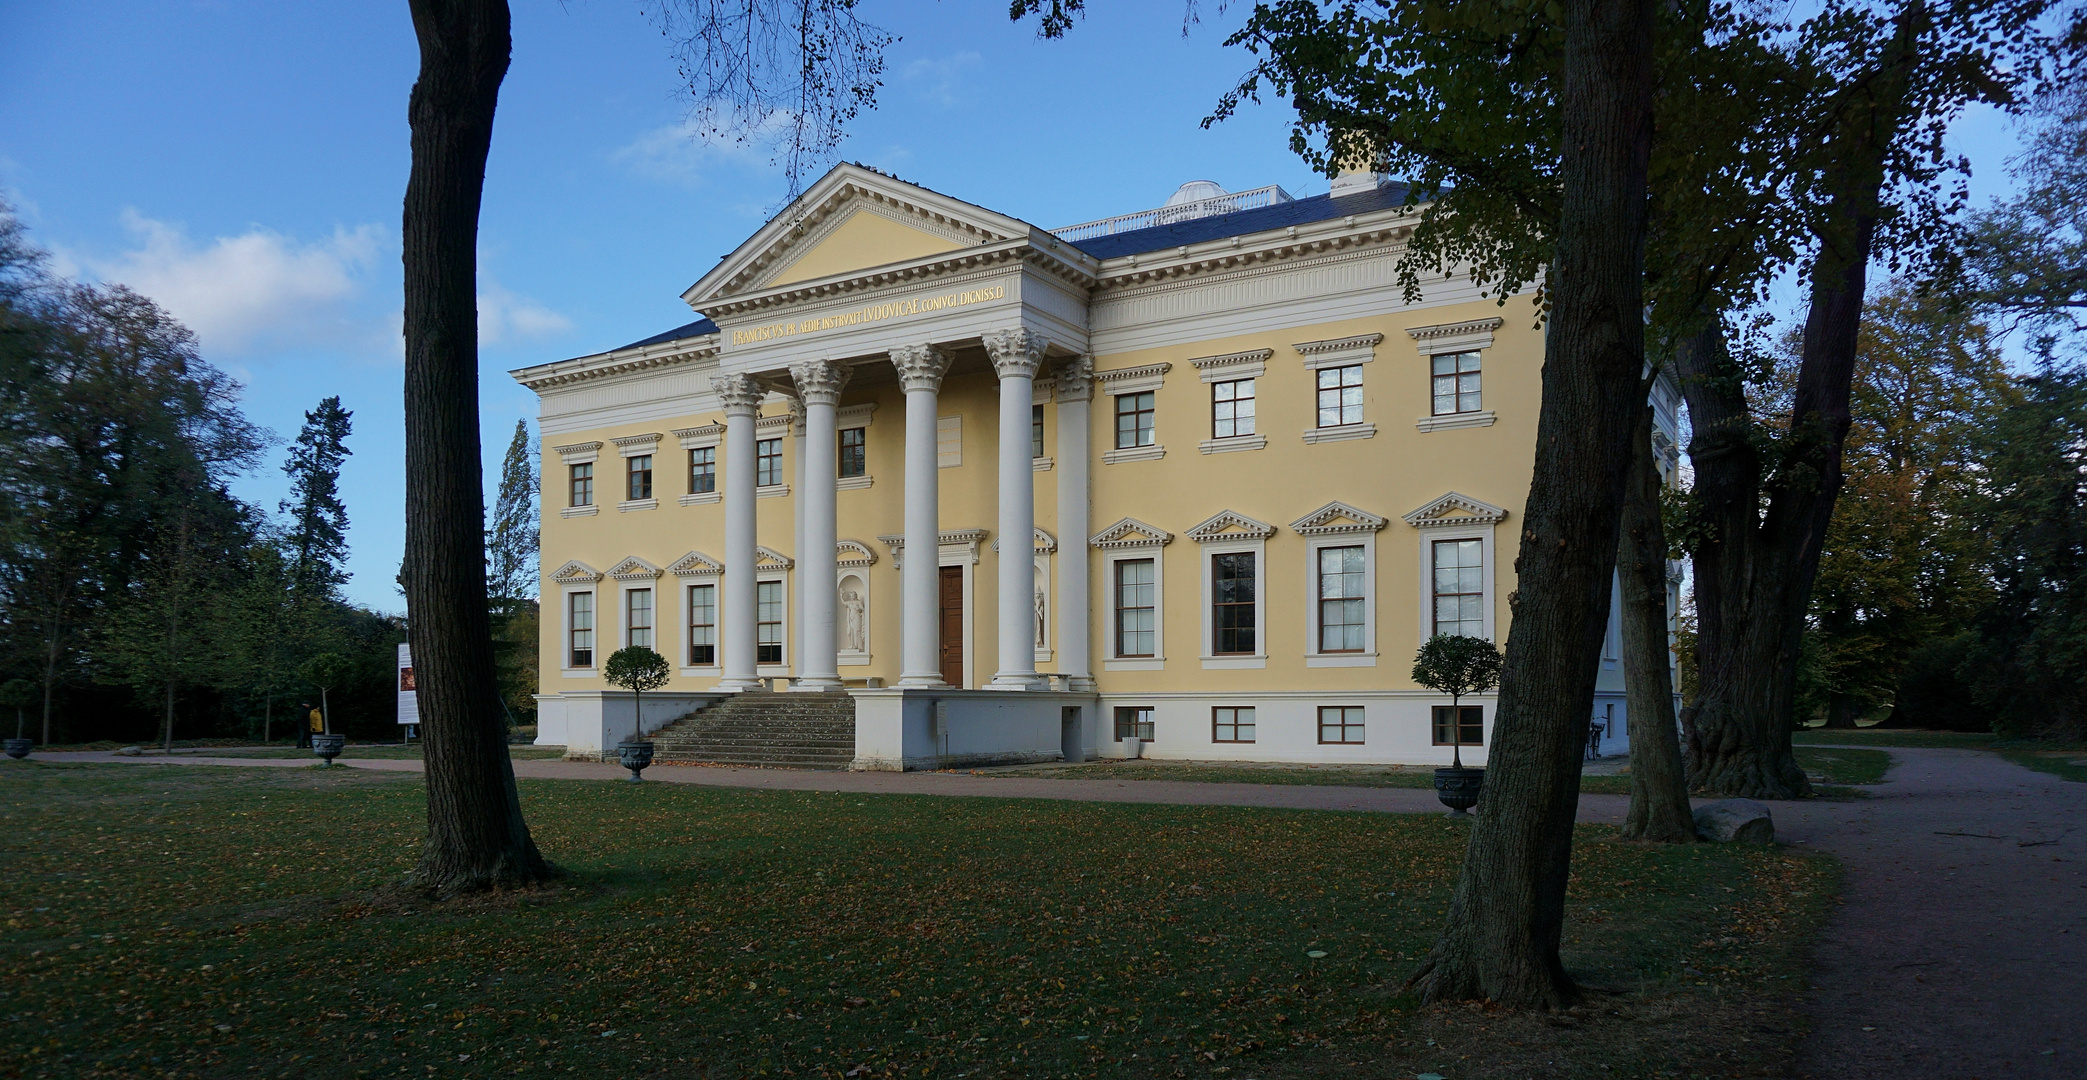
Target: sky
[{"x": 242, "y": 163}]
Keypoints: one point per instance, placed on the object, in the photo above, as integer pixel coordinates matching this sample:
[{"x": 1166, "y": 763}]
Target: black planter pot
[
  {"x": 328, "y": 747},
  {"x": 19, "y": 748},
  {"x": 634, "y": 755},
  {"x": 1458, "y": 789}
]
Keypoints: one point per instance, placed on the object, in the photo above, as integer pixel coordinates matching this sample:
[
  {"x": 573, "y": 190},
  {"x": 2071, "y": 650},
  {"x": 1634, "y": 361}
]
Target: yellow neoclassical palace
[{"x": 1193, "y": 482}]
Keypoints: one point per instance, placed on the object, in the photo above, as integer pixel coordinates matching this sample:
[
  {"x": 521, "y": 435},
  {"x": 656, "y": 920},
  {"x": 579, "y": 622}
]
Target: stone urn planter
[
  {"x": 19, "y": 748},
  {"x": 328, "y": 747},
  {"x": 1458, "y": 788},
  {"x": 634, "y": 754}
]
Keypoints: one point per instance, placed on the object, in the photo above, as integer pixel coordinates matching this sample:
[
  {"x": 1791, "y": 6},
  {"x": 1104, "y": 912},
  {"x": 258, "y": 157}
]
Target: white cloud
[
  {"x": 504, "y": 316},
  {"x": 941, "y": 81},
  {"x": 238, "y": 292},
  {"x": 684, "y": 153}
]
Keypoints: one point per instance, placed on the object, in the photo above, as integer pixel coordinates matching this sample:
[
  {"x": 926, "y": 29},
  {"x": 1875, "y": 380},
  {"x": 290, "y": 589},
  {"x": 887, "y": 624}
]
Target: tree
[
  {"x": 324, "y": 671},
  {"x": 2027, "y": 657},
  {"x": 512, "y": 544},
  {"x": 636, "y": 669},
  {"x": 1879, "y": 89},
  {"x": 1898, "y": 567},
  {"x": 18, "y": 694},
  {"x": 2028, "y": 255},
  {"x": 1659, "y": 809},
  {"x": 1456, "y": 665},
  {"x": 477, "y": 837},
  {"x": 318, "y": 537}
]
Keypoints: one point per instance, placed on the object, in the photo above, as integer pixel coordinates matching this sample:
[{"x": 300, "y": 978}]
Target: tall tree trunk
[
  {"x": 1842, "y": 710},
  {"x": 1659, "y": 807},
  {"x": 1755, "y": 566},
  {"x": 477, "y": 838},
  {"x": 1505, "y": 918}
]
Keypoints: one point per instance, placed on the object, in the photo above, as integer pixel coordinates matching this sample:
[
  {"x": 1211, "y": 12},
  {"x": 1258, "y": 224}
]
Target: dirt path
[
  {"x": 1961, "y": 948},
  {"x": 1960, "y": 951}
]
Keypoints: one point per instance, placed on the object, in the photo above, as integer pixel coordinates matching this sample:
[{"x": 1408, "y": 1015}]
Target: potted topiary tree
[
  {"x": 326, "y": 671},
  {"x": 1457, "y": 665},
  {"x": 16, "y": 695},
  {"x": 636, "y": 669}
]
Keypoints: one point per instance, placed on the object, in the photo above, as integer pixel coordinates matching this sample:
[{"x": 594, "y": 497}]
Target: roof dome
[{"x": 1195, "y": 191}]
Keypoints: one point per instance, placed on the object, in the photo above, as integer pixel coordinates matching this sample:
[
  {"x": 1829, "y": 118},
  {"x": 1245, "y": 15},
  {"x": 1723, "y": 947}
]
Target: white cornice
[
  {"x": 616, "y": 362},
  {"x": 1131, "y": 533},
  {"x": 1454, "y": 509},
  {"x": 1327, "y": 521},
  {"x": 1227, "y": 525},
  {"x": 1047, "y": 253},
  {"x": 633, "y": 568}
]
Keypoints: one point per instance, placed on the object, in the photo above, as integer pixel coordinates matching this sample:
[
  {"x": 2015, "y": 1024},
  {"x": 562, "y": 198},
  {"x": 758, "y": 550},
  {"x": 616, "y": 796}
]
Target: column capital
[
  {"x": 921, "y": 367},
  {"x": 1073, "y": 378},
  {"x": 819, "y": 382},
  {"x": 1016, "y": 353},
  {"x": 739, "y": 394}
]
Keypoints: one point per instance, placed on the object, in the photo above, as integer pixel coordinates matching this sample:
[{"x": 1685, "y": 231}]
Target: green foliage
[
  {"x": 636, "y": 669},
  {"x": 511, "y": 544},
  {"x": 1457, "y": 665},
  {"x": 2028, "y": 660},
  {"x": 1933, "y": 694},
  {"x": 318, "y": 534},
  {"x": 2028, "y": 255},
  {"x": 325, "y": 670}
]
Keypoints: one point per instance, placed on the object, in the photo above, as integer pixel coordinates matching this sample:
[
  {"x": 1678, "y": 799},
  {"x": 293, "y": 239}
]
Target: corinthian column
[
  {"x": 819, "y": 386},
  {"x": 1016, "y": 354},
  {"x": 921, "y": 368},
  {"x": 741, "y": 398},
  {"x": 1074, "y": 392}
]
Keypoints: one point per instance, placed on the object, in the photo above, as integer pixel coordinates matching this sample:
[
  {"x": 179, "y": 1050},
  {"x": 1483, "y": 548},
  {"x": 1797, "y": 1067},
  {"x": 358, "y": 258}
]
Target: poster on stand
[{"x": 409, "y": 703}]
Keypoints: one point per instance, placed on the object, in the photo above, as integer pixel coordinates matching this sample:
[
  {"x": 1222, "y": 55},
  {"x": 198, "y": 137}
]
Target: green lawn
[
  {"x": 382, "y": 750},
  {"x": 1206, "y": 772},
  {"x": 2065, "y": 760},
  {"x": 1844, "y": 766},
  {"x": 218, "y": 922}
]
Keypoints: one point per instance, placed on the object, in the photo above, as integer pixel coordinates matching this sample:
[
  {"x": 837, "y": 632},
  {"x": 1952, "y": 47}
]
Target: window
[
  {"x": 1468, "y": 729},
  {"x": 1133, "y": 722},
  {"x": 1232, "y": 603},
  {"x": 1340, "y": 395},
  {"x": 637, "y": 618},
  {"x": 1133, "y": 420},
  {"x": 579, "y": 629},
  {"x": 768, "y": 622},
  {"x": 702, "y": 625},
  {"x": 702, "y": 470},
  {"x": 1231, "y": 725},
  {"x": 640, "y": 469},
  {"x": 583, "y": 485},
  {"x": 1460, "y": 592},
  {"x": 1232, "y": 409},
  {"x": 855, "y": 460},
  {"x": 1036, "y": 431},
  {"x": 1136, "y": 625},
  {"x": 768, "y": 462},
  {"x": 1341, "y": 623},
  {"x": 1340, "y": 724},
  {"x": 1456, "y": 383}
]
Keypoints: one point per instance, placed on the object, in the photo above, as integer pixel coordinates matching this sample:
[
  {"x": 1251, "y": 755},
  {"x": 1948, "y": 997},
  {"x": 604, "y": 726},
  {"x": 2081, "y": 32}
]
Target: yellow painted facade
[{"x": 852, "y": 285}]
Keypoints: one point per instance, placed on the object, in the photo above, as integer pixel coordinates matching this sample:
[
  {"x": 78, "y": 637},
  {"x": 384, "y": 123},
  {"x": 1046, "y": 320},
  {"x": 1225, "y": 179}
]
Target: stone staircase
[{"x": 762, "y": 727}]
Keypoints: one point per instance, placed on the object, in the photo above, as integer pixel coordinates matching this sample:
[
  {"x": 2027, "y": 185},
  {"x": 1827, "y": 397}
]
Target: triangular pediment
[
  {"x": 1455, "y": 509},
  {"x": 574, "y": 572},
  {"x": 1336, "y": 518},
  {"x": 694, "y": 564},
  {"x": 851, "y": 219},
  {"x": 633, "y": 569},
  {"x": 1226, "y": 525},
  {"x": 770, "y": 558},
  {"x": 1130, "y": 532}
]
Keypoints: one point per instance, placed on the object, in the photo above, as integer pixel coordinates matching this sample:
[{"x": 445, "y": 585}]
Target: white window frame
[
  {"x": 578, "y": 454},
  {"x": 624, "y": 590},
  {"x": 1313, "y": 655},
  {"x": 1138, "y": 380},
  {"x": 706, "y": 437},
  {"x": 771, "y": 566},
  {"x": 1133, "y": 539},
  {"x": 1475, "y": 335},
  {"x": 634, "y": 446},
  {"x": 1429, "y": 536},
  {"x": 687, "y": 608},
  {"x": 1229, "y": 533},
  {"x": 1252, "y": 364},
  {"x": 1339, "y": 353},
  {"x": 575, "y": 578},
  {"x": 854, "y": 416}
]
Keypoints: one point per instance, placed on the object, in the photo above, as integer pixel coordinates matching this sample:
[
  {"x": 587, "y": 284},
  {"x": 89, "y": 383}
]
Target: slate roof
[
  {"x": 694, "y": 329},
  {"x": 1241, "y": 222}
]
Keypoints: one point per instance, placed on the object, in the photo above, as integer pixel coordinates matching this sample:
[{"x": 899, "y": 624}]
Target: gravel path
[{"x": 1960, "y": 950}]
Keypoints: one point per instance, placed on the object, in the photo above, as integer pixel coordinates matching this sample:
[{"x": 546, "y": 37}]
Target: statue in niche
[
  {"x": 854, "y": 634},
  {"x": 1040, "y": 618}
]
